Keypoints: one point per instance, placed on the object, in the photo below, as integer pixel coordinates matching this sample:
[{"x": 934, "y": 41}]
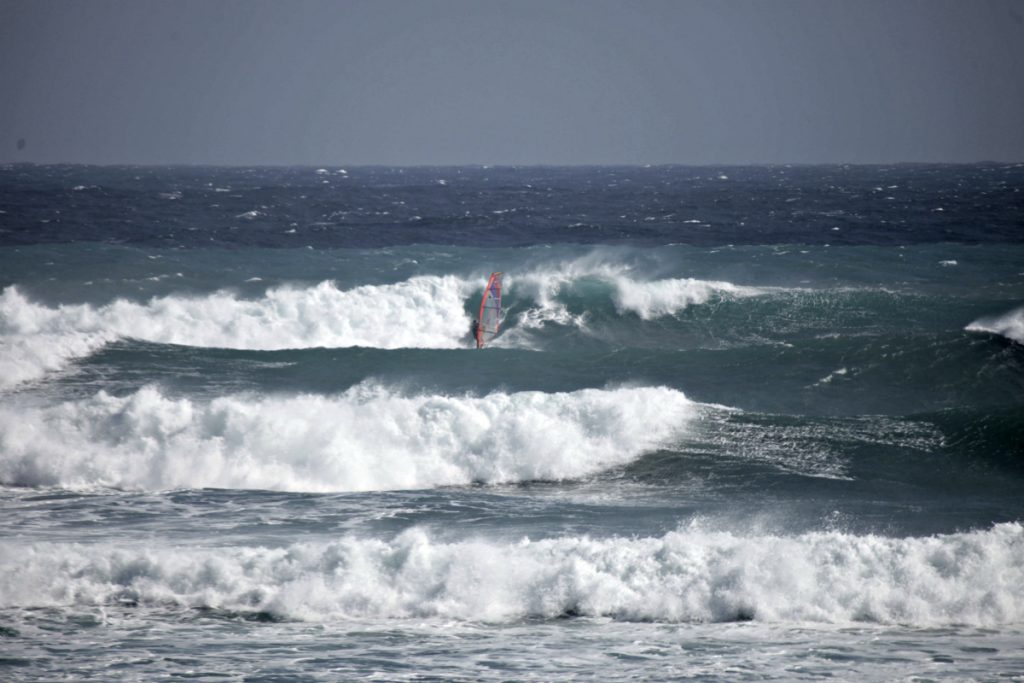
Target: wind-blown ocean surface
[{"x": 752, "y": 423}]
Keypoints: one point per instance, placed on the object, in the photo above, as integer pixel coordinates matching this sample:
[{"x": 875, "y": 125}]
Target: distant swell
[
  {"x": 974, "y": 578},
  {"x": 368, "y": 438},
  {"x": 1009, "y": 325}
]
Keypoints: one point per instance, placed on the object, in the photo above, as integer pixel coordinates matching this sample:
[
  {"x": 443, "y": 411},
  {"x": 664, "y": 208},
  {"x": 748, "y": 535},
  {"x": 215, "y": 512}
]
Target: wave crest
[
  {"x": 659, "y": 298},
  {"x": 1009, "y": 325},
  {"x": 369, "y": 438},
  {"x": 426, "y": 311},
  {"x": 574, "y": 293},
  {"x": 422, "y": 312}
]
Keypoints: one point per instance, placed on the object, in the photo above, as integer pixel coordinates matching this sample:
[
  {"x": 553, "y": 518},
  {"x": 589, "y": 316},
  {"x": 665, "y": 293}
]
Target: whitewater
[
  {"x": 687, "y": 575},
  {"x": 247, "y": 435}
]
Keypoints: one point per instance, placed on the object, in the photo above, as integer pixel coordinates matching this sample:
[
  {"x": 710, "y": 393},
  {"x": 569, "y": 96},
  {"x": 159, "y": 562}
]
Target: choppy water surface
[{"x": 740, "y": 424}]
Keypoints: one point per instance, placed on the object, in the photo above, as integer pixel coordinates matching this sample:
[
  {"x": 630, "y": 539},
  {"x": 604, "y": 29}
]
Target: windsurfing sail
[{"x": 489, "y": 319}]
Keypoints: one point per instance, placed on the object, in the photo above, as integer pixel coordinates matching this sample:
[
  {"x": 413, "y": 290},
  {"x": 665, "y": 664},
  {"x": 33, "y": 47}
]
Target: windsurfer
[{"x": 486, "y": 324}]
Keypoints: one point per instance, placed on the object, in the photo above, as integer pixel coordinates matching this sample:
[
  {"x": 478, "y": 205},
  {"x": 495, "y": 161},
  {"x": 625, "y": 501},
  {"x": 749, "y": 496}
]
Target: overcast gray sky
[{"x": 511, "y": 82}]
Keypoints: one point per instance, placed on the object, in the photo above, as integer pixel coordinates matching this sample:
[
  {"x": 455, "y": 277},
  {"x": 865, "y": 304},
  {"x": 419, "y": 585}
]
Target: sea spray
[
  {"x": 666, "y": 297},
  {"x": 1009, "y": 325}
]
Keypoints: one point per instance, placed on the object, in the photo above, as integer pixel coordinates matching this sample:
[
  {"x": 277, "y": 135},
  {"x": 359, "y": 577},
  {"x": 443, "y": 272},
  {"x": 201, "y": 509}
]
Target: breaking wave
[
  {"x": 422, "y": 312},
  {"x": 368, "y": 438},
  {"x": 645, "y": 298},
  {"x": 426, "y": 311},
  {"x": 689, "y": 575},
  {"x": 667, "y": 297},
  {"x": 1009, "y": 325},
  {"x": 576, "y": 293}
]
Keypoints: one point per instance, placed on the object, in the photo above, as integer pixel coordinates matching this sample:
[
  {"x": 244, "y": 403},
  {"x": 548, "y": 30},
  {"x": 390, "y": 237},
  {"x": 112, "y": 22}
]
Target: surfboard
[{"x": 489, "y": 320}]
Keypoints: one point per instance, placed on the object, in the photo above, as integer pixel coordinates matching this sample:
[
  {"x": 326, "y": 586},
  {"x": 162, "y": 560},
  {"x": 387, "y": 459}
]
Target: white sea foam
[
  {"x": 832, "y": 376},
  {"x": 645, "y": 298},
  {"x": 421, "y": 312},
  {"x": 36, "y": 339},
  {"x": 1009, "y": 325},
  {"x": 689, "y": 575},
  {"x": 666, "y": 297},
  {"x": 368, "y": 438}
]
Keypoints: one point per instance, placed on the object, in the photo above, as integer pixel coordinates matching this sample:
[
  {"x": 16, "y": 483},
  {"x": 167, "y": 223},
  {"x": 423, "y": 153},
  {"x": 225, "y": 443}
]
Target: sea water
[{"x": 740, "y": 424}]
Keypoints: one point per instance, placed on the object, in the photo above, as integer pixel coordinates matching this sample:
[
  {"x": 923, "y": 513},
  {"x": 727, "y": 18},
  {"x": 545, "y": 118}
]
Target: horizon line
[{"x": 343, "y": 166}]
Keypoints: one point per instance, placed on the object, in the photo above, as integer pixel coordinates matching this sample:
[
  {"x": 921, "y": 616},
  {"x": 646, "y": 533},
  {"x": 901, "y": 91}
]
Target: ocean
[{"x": 740, "y": 423}]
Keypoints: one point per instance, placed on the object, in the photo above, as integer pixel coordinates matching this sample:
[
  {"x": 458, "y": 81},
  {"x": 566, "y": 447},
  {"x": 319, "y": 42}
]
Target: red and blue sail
[{"x": 489, "y": 319}]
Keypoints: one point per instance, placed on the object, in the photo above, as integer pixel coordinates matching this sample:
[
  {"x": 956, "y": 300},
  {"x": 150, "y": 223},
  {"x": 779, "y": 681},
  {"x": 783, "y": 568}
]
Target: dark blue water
[
  {"x": 751, "y": 422},
  {"x": 512, "y": 207}
]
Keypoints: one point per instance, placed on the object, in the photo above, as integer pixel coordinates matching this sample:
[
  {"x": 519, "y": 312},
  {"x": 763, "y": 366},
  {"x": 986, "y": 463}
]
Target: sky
[{"x": 441, "y": 82}]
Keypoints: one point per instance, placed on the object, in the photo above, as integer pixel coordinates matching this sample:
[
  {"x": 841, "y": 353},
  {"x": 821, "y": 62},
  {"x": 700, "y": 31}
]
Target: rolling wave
[
  {"x": 422, "y": 312},
  {"x": 596, "y": 304},
  {"x": 368, "y": 438},
  {"x": 588, "y": 281},
  {"x": 689, "y": 575},
  {"x": 427, "y": 311}
]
